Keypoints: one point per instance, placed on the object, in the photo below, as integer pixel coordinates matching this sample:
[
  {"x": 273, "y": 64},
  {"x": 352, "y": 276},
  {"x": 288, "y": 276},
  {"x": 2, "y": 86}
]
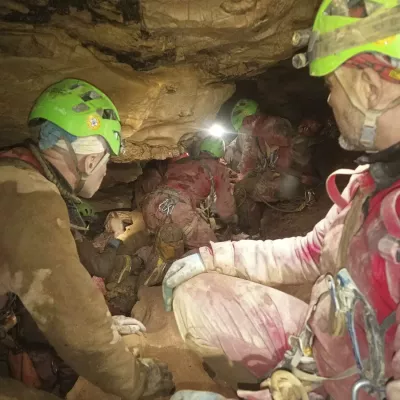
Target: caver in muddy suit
[
  {"x": 185, "y": 184},
  {"x": 32, "y": 359},
  {"x": 275, "y": 163},
  {"x": 345, "y": 343},
  {"x": 39, "y": 262}
]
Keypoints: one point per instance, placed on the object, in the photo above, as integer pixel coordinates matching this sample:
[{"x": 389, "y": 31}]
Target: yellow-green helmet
[
  {"x": 213, "y": 146},
  {"x": 81, "y": 109},
  {"x": 242, "y": 109},
  {"x": 345, "y": 28}
]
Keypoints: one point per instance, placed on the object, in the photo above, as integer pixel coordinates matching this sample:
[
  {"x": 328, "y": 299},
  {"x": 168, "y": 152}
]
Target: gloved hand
[
  {"x": 128, "y": 326},
  {"x": 179, "y": 272},
  {"x": 196, "y": 395},
  {"x": 159, "y": 382}
]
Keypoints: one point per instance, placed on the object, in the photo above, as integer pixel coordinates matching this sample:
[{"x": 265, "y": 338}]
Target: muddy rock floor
[{"x": 162, "y": 339}]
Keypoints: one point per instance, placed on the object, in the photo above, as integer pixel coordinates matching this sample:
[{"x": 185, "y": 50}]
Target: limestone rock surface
[{"x": 168, "y": 65}]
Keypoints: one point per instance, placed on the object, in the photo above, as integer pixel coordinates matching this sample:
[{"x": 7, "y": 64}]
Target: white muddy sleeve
[
  {"x": 283, "y": 261},
  {"x": 271, "y": 262}
]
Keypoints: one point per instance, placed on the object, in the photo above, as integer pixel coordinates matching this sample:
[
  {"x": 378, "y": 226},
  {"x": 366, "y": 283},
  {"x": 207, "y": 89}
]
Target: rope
[
  {"x": 301, "y": 207},
  {"x": 242, "y": 191},
  {"x": 66, "y": 194}
]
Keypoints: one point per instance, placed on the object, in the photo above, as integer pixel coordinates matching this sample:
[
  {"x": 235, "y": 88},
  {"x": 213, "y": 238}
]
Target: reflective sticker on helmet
[
  {"x": 386, "y": 41},
  {"x": 93, "y": 122},
  {"x": 395, "y": 74}
]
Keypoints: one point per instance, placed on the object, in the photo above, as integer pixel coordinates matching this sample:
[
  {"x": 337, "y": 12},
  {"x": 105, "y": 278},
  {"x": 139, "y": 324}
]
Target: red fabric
[
  {"x": 380, "y": 64},
  {"x": 260, "y": 131},
  {"x": 23, "y": 154},
  {"x": 277, "y": 133},
  {"x": 367, "y": 239},
  {"x": 23, "y": 370},
  {"x": 197, "y": 231},
  {"x": 382, "y": 301},
  {"x": 99, "y": 283},
  {"x": 192, "y": 177},
  {"x": 375, "y": 276}
]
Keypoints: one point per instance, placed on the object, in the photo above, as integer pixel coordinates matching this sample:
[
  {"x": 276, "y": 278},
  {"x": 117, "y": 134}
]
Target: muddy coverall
[
  {"x": 234, "y": 312},
  {"x": 272, "y": 151},
  {"x": 39, "y": 263},
  {"x": 186, "y": 183},
  {"x": 146, "y": 183}
]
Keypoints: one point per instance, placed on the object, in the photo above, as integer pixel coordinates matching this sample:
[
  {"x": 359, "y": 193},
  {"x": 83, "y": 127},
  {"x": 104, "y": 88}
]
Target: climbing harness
[
  {"x": 272, "y": 160},
  {"x": 269, "y": 163},
  {"x": 207, "y": 205},
  {"x": 345, "y": 298},
  {"x": 167, "y": 206},
  {"x": 170, "y": 246},
  {"x": 169, "y": 241},
  {"x": 309, "y": 199}
]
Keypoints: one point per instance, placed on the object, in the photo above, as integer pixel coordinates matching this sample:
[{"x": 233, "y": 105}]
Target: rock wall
[{"x": 168, "y": 65}]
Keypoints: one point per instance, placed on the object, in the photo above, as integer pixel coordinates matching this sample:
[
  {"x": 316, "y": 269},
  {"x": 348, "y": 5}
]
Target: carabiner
[{"x": 365, "y": 383}]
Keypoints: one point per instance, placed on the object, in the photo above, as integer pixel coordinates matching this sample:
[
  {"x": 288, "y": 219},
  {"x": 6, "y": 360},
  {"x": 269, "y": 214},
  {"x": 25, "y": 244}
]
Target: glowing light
[{"x": 216, "y": 130}]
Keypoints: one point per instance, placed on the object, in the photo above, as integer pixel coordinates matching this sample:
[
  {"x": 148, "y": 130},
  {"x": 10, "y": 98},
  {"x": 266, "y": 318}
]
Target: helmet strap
[
  {"x": 368, "y": 130},
  {"x": 78, "y": 173}
]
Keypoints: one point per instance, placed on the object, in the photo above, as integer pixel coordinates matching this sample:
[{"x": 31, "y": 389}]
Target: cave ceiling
[{"x": 168, "y": 65}]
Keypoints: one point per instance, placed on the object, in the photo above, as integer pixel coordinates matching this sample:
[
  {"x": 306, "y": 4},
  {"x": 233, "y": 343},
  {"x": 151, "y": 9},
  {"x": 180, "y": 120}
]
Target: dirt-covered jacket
[
  {"x": 269, "y": 141},
  {"x": 39, "y": 263},
  {"x": 198, "y": 177}
]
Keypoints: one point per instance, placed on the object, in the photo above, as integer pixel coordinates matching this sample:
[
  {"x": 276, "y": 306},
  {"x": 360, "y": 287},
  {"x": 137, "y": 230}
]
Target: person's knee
[
  {"x": 184, "y": 301},
  {"x": 191, "y": 317}
]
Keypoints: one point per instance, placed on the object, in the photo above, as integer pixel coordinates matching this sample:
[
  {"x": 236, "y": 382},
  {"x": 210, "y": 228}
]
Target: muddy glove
[
  {"x": 159, "y": 381},
  {"x": 127, "y": 326},
  {"x": 179, "y": 272},
  {"x": 196, "y": 395}
]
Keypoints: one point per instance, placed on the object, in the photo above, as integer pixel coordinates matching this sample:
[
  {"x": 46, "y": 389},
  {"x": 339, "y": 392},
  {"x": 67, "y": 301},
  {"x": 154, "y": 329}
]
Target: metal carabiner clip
[{"x": 363, "y": 384}]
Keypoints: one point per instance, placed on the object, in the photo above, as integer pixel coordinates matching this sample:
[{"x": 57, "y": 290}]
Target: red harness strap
[{"x": 23, "y": 154}]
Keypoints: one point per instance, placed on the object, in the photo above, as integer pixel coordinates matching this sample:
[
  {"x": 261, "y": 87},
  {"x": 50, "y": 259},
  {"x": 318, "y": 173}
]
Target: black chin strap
[{"x": 384, "y": 166}]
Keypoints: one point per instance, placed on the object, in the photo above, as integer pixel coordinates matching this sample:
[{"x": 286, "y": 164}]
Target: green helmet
[
  {"x": 338, "y": 35},
  {"x": 80, "y": 109},
  {"x": 242, "y": 109},
  {"x": 214, "y": 146}
]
